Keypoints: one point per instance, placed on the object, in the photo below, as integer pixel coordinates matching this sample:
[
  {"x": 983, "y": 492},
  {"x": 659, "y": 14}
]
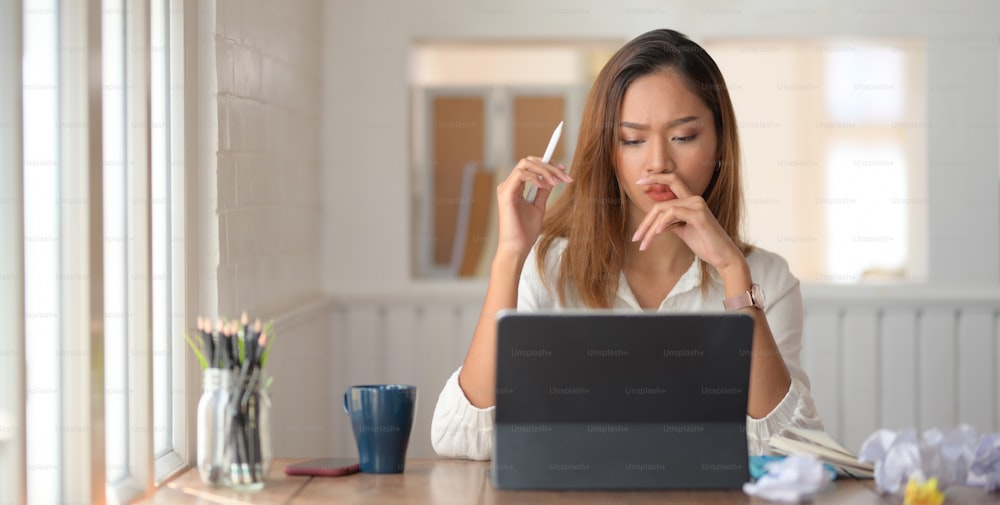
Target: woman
[{"x": 650, "y": 219}]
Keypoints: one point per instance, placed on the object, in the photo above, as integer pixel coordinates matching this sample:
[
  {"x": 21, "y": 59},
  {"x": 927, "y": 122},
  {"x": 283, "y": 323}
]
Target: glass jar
[
  {"x": 248, "y": 452},
  {"x": 212, "y": 424}
]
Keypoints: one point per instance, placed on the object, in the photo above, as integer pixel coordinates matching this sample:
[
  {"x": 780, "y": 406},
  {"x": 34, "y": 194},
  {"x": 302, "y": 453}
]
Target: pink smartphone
[{"x": 324, "y": 467}]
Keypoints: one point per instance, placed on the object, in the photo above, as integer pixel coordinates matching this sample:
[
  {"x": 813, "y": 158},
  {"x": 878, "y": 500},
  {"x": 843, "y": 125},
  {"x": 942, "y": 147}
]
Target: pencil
[{"x": 549, "y": 151}]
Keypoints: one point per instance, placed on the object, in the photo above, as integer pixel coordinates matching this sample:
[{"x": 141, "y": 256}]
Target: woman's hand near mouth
[{"x": 687, "y": 216}]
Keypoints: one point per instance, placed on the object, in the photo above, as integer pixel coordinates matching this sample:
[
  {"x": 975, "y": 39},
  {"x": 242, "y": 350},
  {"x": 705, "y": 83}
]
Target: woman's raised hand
[
  {"x": 520, "y": 222},
  {"x": 689, "y": 217}
]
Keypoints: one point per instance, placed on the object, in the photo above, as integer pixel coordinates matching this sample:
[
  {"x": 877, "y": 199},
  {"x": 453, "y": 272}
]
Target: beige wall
[
  {"x": 366, "y": 108},
  {"x": 269, "y": 200},
  {"x": 268, "y": 58}
]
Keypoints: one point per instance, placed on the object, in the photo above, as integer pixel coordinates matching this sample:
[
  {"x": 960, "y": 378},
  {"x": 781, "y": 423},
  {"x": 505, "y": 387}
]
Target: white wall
[
  {"x": 366, "y": 108},
  {"x": 313, "y": 173},
  {"x": 389, "y": 327},
  {"x": 270, "y": 200}
]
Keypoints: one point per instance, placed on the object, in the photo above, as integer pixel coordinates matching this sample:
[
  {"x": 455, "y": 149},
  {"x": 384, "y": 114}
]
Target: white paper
[
  {"x": 949, "y": 455},
  {"x": 896, "y": 457},
  {"x": 985, "y": 467},
  {"x": 792, "y": 479},
  {"x": 952, "y": 457}
]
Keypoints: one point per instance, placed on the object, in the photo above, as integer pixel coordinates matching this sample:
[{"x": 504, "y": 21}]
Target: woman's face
[{"x": 664, "y": 127}]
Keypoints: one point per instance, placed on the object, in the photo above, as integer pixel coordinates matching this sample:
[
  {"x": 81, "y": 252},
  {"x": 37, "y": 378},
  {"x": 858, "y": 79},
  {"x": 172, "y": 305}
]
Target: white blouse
[{"x": 461, "y": 430}]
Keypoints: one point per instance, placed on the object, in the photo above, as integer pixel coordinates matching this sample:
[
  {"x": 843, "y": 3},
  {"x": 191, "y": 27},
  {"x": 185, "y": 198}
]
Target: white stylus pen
[{"x": 533, "y": 189}]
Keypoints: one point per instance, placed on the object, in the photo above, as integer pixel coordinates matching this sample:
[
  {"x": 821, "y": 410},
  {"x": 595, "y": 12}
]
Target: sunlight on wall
[
  {"x": 487, "y": 65},
  {"x": 833, "y": 134},
  {"x": 866, "y": 223}
]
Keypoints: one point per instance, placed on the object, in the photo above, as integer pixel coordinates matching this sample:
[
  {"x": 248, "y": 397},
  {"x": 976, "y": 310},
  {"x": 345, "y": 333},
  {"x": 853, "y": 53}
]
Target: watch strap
[{"x": 742, "y": 300}]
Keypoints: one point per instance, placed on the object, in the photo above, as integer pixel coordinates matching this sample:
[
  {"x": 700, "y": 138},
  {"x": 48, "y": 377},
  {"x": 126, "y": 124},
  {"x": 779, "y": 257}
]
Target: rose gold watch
[{"x": 754, "y": 297}]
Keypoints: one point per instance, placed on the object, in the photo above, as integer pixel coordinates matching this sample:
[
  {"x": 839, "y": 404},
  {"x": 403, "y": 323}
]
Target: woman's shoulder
[
  {"x": 553, "y": 256},
  {"x": 554, "y": 253},
  {"x": 769, "y": 266},
  {"x": 534, "y": 291}
]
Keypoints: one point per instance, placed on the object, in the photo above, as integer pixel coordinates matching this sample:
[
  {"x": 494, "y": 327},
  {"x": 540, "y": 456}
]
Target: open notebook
[{"x": 823, "y": 446}]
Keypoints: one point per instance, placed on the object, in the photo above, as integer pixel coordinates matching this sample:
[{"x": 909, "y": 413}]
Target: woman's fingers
[
  {"x": 667, "y": 215},
  {"x": 554, "y": 174},
  {"x": 531, "y": 169},
  {"x": 644, "y": 225},
  {"x": 692, "y": 221},
  {"x": 648, "y": 227},
  {"x": 654, "y": 217},
  {"x": 518, "y": 221},
  {"x": 542, "y": 196},
  {"x": 662, "y": 222}
]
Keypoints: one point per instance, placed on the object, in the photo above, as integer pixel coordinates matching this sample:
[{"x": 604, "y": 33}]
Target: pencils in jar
[{"x": 237, "y": 347}]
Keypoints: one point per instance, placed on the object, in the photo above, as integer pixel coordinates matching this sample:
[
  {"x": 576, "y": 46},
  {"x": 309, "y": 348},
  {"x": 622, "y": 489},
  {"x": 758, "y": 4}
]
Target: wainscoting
[
  {"x": 902, "y": 356},
  {"x": 877, "y": 356}
]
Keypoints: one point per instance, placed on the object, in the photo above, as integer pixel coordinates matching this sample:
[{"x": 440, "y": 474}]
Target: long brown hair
[{"x": 592, "y": 212}]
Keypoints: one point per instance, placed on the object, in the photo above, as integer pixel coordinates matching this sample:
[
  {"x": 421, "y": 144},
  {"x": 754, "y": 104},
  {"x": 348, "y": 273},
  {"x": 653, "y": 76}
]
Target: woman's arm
[
  {"x": 463, "y": 417},
  {"x": 460, "y": 429},
  {"x": 520, "y": 223},
  {"x": 784, "y": 314},
  {"x": 478, "y": 375},
  {"x": 769, "y": 378}
]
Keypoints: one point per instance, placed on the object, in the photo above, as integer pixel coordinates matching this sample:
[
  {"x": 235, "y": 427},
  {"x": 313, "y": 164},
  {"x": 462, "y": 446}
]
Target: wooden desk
[{"x": 444, "y": 482}]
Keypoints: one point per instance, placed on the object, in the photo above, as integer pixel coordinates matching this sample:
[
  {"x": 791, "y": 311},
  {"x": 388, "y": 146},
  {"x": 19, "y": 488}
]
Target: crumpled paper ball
[
  {"x": 985, "y": 468},
  {"x": 951, "y": 457},
  {"x": 792, "y": 479},
  {"x": 896, "y": 457},
  {"x": 947, "y": 455}
]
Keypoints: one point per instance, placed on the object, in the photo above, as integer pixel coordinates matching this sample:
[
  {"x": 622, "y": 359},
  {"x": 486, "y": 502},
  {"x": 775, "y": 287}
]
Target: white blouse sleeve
[
  {"x": 784, "y": 316},
  {"x": 458, "y": 428}
]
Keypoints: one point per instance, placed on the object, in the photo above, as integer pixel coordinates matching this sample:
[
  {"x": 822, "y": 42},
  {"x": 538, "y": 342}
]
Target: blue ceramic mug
[{"x": 381, "y": 416}]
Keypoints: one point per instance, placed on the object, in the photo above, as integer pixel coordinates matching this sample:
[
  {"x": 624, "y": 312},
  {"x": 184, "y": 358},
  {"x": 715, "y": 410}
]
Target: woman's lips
[{"x": 660, "y": 193}]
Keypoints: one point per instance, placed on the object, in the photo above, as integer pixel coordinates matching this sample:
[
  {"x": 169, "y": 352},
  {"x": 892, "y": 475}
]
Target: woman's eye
[
  {"x": 685, "y": 139},
  {"x": 631, "y": 142}
]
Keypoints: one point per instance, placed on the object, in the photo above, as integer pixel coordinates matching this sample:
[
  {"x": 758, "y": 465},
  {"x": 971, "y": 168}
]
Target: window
[
  {"x": 167, "y": 173},
  {"x": 144, "y": 251},
  {"x": 833, "y": 133},
  {"x": 102, "y": 318},
  {"x": 43, "y": 344},
  {"x": 116, "y": 241}
]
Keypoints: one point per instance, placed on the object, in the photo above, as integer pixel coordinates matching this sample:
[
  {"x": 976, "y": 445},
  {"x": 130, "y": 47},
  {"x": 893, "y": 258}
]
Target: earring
[{"x": 718, "y": 165}]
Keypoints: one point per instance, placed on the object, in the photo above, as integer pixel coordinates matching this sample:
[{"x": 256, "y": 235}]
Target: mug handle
[{"x": 346, "y": 410}]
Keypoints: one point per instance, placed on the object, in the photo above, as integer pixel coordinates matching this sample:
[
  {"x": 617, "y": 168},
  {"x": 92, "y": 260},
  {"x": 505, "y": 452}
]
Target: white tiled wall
[
  {"x": 268, "y": 57},
  {"x": 269, "y": 200}
]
